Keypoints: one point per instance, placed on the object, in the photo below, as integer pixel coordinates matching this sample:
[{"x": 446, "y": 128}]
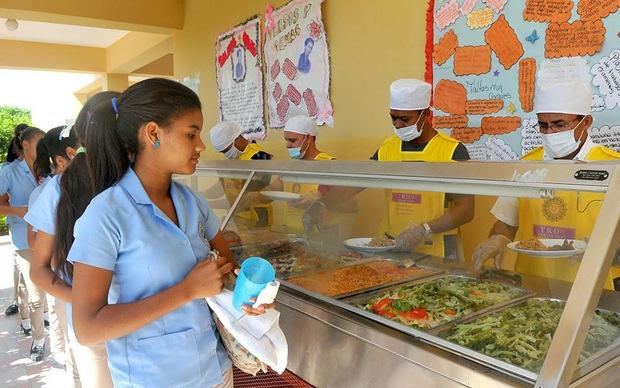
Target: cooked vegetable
[
  {"x": 439, "y": 301},
  {"x": 522, "y": 335}
]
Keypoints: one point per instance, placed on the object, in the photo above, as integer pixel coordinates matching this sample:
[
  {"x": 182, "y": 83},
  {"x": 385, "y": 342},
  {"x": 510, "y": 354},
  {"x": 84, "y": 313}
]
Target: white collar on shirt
[{"x": 583, "y": 153}]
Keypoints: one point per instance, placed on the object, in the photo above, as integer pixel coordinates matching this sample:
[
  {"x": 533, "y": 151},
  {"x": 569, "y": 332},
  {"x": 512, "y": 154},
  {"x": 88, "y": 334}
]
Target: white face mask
[
  {"x": 411, "y": 132},
  {"x": 232, "y": 153},
  {"x": 560, "y": 144}
]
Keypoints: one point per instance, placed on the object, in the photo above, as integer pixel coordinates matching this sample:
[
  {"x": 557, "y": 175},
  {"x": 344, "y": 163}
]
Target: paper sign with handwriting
[
  {"x": 481, "y": 18},
  {"x": 504, "y": 42},
  {"x": 450, "y": 97},
  {"x": 445, "y": 48},
  {"x": 484, "y": 107},
  {"x": 575, "y": 39},
  {"x": 497, "y": 5},
  {"x": 607, "y": 136},
  {"x": 500, "y": 125},
  {"x": 498, "y": 149},
  {"x": 531, "y": 138},
  {"x": 454, "y": 121},
  {"x": 468, "y": 6},
  {"x": 546, "y": 11},
  {"x": 607, "y": 77},
  {"x": 597, "y": 9},
  {"x": 467, "y": 135},
  {"x": 447, "y": 14},
  {"x": 527, "y": 80},
  {"x": 474, "y": 60}
]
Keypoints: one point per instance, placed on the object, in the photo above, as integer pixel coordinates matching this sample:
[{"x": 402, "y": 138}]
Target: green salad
[
  {"x": 521, "y": 335},
  {"x": 439, "y": 301}
]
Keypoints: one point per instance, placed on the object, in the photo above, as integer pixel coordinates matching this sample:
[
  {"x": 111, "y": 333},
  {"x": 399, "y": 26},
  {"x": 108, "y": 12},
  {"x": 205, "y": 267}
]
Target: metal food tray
[
  {"x": 583, "y": 367},
  {"x": 363, "y": 299},
  {"x": 432, "y": 272}
]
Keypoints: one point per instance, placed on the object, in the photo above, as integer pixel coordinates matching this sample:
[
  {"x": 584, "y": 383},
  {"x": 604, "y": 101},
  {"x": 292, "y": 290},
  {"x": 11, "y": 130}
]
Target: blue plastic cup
[{"x": 254, "y": 275}]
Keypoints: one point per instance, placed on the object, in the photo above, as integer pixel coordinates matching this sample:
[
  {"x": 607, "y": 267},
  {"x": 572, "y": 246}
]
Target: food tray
[
  {"x": 363, "y": 299},
  {"x": 321, "y": 281},
  {"x": 584, "y": 366}
]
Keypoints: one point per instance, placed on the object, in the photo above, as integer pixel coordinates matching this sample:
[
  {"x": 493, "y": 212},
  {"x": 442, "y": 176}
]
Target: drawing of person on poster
[
  {"x": 304, "y": 64},
  {"x": 239, "y": 64}
]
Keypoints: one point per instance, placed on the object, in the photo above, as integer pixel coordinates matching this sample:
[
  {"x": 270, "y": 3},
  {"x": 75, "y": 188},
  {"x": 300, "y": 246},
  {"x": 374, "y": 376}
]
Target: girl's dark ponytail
[{"x": 53, "y": 144}]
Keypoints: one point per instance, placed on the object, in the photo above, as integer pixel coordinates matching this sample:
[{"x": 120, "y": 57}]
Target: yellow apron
[
  {"x": 568, "y": 215},
  {"x": 294, "y": 214},
  {"x": 232, "y": 187},
  {"x": 406, "y": 208}
]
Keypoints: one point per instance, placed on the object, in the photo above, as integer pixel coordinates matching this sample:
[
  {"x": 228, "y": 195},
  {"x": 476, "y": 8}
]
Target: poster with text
[
  {"x": 240, "y": 78},
  {"x": 488, "y": 54},
  {"x": 297, "y": 63}
]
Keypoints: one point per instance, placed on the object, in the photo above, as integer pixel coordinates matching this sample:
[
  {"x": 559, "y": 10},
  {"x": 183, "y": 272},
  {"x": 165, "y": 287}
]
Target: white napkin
[{"x": 260, "y": 335}]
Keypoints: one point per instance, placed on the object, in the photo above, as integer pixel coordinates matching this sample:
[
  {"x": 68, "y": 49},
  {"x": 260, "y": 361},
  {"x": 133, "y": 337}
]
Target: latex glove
[
  {"x": 307, "y": 200},
  {"x": 410, "y": 238},
  {"x": 492, "y": 248}
]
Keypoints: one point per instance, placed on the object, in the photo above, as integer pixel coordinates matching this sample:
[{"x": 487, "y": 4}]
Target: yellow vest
[
  {"x": 294, "y": 214},
  {"x": 233, "y": 187},
  {"x": 568, "y": 215},
  {"x": 406, "y": 208}
]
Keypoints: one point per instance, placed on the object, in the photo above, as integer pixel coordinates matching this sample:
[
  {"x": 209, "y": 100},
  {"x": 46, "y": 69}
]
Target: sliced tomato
[
  {"x": 386, "y": 313},
  {"x": 414, "y": 315},
  {"x": 450, "y": 311},
  {"x": 381, "y": 305}
]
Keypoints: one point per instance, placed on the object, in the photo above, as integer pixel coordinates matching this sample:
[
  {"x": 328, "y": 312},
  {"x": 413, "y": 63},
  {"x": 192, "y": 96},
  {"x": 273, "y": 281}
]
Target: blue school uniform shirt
[
  {"x": 17, "y": 181},
  {"x": 33, "y": 199},
  {"x": 124, "y": 232},
  {"x": 42, "y": 212}
]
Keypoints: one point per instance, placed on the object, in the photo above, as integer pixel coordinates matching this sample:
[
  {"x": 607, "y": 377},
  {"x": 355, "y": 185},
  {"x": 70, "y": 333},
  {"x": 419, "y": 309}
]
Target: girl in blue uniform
[
  {"x": 91, "y": 361},
  {"x": 17, "y": 181},
  {"x": 140, "y": 275}
]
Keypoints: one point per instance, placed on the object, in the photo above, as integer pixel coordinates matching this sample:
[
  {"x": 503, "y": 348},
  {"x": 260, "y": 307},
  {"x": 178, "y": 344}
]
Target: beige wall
[{"x": 371, "y": 45}]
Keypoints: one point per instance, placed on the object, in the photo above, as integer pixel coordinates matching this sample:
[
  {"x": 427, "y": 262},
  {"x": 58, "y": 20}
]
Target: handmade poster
[
  {"x": 297, "y": 58},
  {"x": 240, "y": 78},
  {"x": 487, "y": 56}
]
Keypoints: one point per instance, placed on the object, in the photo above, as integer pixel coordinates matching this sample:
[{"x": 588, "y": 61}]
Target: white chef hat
[
  {"x": 303, "y": 125},
  {"x": 224, "y": 134},
  {"x": 566, "y": 96},
  {"x": 410, "y": 94}
]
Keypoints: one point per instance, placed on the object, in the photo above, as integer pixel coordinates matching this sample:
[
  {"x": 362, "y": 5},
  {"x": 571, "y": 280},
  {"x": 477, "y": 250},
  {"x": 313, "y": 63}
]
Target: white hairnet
[
  {"x": 572, "y": 97},
  {"x": 223, "y": 135},
  {"x": 301, "y": 124},
  {"x": 410, "y": 94}
]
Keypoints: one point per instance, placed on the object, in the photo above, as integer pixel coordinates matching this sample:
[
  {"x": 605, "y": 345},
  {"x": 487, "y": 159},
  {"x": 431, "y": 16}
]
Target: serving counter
[{"x": 358, "y": 312}]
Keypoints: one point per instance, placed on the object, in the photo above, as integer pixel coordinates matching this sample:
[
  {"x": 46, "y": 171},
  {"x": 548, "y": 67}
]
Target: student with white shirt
[
  {"x": 563, "y": 109},
  {"x": 91, "y": 361},
  {"x": 139, "y": 270}
]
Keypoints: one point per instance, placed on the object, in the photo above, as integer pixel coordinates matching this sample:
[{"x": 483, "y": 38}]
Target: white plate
[
  {"x": 361, "y": 245},
  {"x": 580, "y": 248},
  {"x": 281, "y": 195}
]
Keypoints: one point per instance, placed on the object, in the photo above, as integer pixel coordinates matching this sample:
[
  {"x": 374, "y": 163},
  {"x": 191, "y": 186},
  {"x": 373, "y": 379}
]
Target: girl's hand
[{"x": 207, "y": 278}]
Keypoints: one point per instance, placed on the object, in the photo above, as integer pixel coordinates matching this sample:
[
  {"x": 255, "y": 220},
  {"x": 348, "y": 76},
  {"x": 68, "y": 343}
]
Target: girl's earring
[{"x": 156, "y": 144}]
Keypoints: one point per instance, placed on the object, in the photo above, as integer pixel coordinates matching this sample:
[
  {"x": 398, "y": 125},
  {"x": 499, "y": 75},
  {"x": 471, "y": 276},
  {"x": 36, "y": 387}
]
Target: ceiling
[{"x": 61, "y": 34}]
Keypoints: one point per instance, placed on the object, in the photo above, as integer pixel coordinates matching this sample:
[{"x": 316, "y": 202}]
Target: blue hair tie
[{"x": 115, "y": 105}]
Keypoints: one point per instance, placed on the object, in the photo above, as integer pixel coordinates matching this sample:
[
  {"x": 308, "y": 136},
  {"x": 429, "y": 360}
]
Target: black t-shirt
[{"x": 261, "y": 155}]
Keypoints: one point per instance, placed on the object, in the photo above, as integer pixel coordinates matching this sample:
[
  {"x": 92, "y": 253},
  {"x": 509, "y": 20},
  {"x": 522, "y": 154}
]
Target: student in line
[
  {"x": 139, "y": 270},
  {"x": 17, "y": 181},
  {"x": 91, "y": 361}
]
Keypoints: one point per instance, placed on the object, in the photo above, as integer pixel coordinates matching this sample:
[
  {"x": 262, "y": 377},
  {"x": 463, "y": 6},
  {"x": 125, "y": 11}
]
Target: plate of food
[
  {"x": 549, "y": 247},
  {"x": 281, "y": 196},
  {"x": 370, "y": 244}
]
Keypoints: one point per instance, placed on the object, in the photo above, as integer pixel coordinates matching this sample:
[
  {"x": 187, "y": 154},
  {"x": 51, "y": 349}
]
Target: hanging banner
[
  {"x": 297, "y": 58},
  {"x": 240, "y": 78},
  {"x": 488, "y": 54}
]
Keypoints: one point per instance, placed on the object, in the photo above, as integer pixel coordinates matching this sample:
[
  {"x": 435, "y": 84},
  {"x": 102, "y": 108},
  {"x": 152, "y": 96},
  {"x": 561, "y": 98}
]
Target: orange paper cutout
[
  {"x": 576, "y": 39},
  {"x": 450, "y": 97},
  {"x": 455, "y": 121},
  {"x": 547, "y": 11},
  {"x": 500, "y": 125},
  {"x": 597, "y": 9},
  {"x": 504, "y": 42},
  {"x": 483, "y": 107},
  {"x": 527, "y": 79},
  {"x": 480, "y": 18},
  {"x": 467, "y": 135},
  {"x": 472, "y": 60},
  {"x": 446, "y": 46}
]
